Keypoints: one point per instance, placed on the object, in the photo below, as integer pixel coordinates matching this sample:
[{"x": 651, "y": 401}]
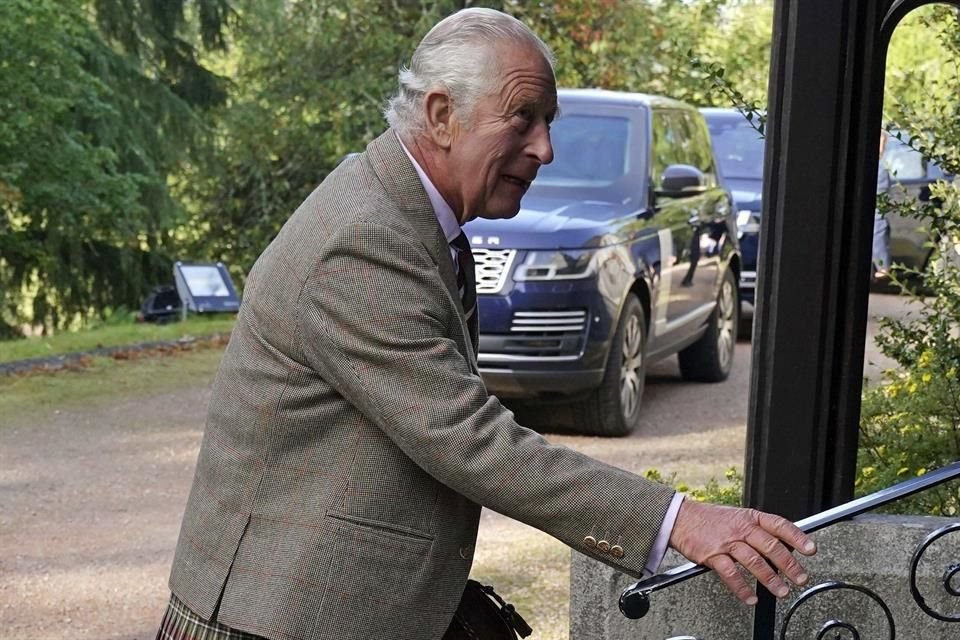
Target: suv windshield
[
  {"x": 589, "y": 151},
  {"x": 738, "y": 148}
]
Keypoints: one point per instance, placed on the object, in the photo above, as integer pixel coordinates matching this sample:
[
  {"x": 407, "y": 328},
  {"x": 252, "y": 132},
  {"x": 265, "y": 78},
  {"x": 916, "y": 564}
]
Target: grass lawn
[
  {"x": 112, "y": 335},
  {"x": 107, "y": 382}
]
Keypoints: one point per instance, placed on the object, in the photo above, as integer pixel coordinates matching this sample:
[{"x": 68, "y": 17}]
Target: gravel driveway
[{"x": 91, "y": 495}]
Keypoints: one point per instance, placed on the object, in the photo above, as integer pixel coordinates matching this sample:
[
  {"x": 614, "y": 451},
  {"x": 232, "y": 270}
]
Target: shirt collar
[{"x": 448, "y": 221}]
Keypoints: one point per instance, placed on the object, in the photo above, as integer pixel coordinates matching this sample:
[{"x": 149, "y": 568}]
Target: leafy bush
[
  {"x": 730, "y": 493},
  {"x": 910, "y": 421}
]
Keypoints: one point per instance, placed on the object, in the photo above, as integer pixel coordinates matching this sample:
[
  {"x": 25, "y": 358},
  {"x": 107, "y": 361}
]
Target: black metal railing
[{"x": 635, "y": 600}]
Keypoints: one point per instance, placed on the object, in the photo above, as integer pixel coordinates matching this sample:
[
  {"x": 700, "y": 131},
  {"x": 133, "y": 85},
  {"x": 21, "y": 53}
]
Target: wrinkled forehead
[{"x": 519, "y": 72}]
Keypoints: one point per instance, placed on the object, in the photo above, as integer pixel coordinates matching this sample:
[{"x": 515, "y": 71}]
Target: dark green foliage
[
  {"x": 311, "y": 82},
  {"x": 152, "y": 31},
  {"x": 89, "y": 134}
]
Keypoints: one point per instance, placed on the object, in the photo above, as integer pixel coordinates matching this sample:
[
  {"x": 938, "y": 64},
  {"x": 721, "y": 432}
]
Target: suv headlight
[{"x": 556, "y": 265}]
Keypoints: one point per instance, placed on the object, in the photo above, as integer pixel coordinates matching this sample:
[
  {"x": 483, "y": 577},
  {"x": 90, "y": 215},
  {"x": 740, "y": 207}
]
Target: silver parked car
[{"x": 910, "y": 178}]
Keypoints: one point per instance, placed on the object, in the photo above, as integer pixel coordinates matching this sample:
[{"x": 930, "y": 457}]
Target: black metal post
[
  {"x": 826, "y": 94},
  {"x": 764, "y": 615}
]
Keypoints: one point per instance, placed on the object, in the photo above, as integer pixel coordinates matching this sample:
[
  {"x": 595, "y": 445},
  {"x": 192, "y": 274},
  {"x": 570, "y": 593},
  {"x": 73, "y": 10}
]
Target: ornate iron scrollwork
[
  {"x": 832, "y": 626},
  {"x": 949, "y": 575},
  {"x": 836, "y": 625},
  {"x": 635, "y": 599}
]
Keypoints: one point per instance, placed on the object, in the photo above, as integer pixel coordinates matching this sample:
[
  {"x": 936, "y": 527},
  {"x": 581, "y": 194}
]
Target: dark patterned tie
[{"x": 467, "y": 282}]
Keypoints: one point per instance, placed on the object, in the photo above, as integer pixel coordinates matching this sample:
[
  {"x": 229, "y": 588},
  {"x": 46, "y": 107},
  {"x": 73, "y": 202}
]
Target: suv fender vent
[{"x": 493, "y": 266}]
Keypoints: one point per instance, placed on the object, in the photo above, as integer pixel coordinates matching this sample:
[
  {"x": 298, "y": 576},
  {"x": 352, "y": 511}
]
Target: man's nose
[{"x": 540, "y": 145}]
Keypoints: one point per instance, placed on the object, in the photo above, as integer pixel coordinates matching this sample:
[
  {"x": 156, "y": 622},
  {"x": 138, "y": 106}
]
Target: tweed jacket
[{"x": 350, "y": 441}]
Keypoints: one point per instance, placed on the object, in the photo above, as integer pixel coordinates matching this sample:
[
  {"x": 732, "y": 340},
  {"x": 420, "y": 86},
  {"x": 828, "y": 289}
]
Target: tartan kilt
[{"x": 180, "y": 623}]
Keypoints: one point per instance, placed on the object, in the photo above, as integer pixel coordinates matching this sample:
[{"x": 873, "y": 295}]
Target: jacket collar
[
  {"x": 399, "y": 178},
  {"x": 402, "y": 184}
]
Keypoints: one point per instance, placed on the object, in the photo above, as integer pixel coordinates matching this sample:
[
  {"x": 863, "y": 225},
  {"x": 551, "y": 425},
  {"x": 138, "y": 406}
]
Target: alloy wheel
[
  {"x": 631, "y": 367},
  {"x": 726, "y": 325}
]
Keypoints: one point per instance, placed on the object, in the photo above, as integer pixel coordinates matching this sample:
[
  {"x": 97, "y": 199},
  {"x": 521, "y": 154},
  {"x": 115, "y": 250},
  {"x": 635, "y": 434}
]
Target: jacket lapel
[{"x": 402, "y": 184}]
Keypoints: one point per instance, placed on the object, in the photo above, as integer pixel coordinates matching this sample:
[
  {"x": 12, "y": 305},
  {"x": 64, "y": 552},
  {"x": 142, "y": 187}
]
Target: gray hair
[{"x": 455, "y": 56}]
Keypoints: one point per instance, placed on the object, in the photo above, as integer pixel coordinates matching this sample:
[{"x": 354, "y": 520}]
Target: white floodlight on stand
[{"x": 204, "y": 288}]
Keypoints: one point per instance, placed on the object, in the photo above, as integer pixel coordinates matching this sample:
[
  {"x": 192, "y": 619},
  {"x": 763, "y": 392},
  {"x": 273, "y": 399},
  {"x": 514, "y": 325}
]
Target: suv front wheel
[{"x": 614, "y": 407}]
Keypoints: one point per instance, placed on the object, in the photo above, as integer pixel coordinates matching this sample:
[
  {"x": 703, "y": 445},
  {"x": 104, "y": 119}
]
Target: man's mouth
[{"x": 520, "y": 182}]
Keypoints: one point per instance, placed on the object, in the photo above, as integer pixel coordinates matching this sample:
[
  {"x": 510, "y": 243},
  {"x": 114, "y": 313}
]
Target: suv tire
[
  {"x": 710, "y": 358},
  {"x": 613, "y": 408}
]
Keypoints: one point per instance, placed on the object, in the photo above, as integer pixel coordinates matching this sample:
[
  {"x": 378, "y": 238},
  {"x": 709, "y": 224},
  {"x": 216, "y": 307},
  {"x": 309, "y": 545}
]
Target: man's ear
[{"x": 440, "y": 118}]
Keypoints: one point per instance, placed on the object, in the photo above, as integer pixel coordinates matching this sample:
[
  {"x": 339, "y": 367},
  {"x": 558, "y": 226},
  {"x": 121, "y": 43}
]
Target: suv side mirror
[{"x": 681, "y": 181}]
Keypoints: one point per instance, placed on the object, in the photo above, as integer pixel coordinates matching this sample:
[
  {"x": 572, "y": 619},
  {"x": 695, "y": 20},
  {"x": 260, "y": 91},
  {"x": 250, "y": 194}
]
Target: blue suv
[
  {"x": 738, "y": 148},
  {"x": 624, "y": 252}
]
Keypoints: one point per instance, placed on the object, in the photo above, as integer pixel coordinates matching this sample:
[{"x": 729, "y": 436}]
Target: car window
[
  {"x": 679, "y": 137},
  {"x": 588, "y": 151},
  {"x": 669, "y": 140},
  {"x": 699, "y": 153},
  {"x": 738, "y": 148}
]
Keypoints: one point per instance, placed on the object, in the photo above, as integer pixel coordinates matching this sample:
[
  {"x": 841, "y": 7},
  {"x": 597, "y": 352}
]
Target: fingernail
[
  {"x": 752, "y": 600},
  {"x": 809, "y": 547},
  {"x": 802, "y": 578},
  {"x": 782, "y": 592}
]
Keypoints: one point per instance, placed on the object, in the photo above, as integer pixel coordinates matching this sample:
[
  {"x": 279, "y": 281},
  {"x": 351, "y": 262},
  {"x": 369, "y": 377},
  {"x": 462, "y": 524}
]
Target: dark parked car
[
  {"x": 910, "y": 178},
  {"x": 624, "y": 252},
  {"x": 738, "y": 148}
]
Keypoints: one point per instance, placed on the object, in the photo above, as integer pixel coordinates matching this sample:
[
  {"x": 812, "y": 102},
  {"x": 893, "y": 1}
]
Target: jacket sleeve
[{"x": 378, "y": 323}]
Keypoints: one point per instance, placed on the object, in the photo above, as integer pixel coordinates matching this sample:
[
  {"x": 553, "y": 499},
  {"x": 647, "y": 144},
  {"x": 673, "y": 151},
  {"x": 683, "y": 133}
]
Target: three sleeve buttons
[{"x": 603, "y": 546}]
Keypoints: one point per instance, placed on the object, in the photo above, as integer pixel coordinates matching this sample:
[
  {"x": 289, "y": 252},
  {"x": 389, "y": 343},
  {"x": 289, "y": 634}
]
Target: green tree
[
  {"x": 648, "y": 45},
  {"x": 311, "y": 79},
  {"x": 91, "y": 125}
]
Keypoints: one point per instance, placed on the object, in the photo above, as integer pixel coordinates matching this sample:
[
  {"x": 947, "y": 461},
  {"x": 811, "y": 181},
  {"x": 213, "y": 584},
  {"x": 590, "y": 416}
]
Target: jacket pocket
[{"x": 380, "y": 527}]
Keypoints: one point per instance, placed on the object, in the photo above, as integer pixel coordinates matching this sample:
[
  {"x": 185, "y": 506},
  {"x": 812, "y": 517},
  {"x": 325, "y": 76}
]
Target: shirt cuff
[{"x": 663, "y": 538}]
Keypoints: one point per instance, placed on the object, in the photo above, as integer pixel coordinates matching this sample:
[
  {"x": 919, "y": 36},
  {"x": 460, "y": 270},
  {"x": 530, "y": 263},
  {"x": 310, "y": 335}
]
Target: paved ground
[{"x": 91, "y": 497}]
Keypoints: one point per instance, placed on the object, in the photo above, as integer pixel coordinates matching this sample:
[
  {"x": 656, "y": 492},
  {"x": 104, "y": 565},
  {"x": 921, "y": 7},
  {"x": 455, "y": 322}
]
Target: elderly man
[{"x": 350, "y": 441}]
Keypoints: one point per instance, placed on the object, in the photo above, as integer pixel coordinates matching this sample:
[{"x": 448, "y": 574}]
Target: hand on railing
[{"x": 721, "y": 537}]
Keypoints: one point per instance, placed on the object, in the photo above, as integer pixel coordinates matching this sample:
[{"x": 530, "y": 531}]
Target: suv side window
[
  {"x": 700, "y": 152},
  {"x": 667, "y": 147},
  {"x": 681, "y": 137}
]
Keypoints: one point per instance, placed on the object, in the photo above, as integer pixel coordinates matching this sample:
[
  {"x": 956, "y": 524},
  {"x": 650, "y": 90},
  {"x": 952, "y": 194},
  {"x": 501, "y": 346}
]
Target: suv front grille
[
  {"x": 493, "y": 265},
  {"x": 537, "y": 336},
  {"x": 533, "y": 322}
]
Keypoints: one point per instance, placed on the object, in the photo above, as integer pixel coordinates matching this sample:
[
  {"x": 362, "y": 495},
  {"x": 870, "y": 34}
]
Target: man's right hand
[{"x": 721, "y": 537}]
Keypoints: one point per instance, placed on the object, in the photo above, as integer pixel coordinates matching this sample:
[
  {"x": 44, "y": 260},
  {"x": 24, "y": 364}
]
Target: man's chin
[{"x": 502, "y": 213}]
